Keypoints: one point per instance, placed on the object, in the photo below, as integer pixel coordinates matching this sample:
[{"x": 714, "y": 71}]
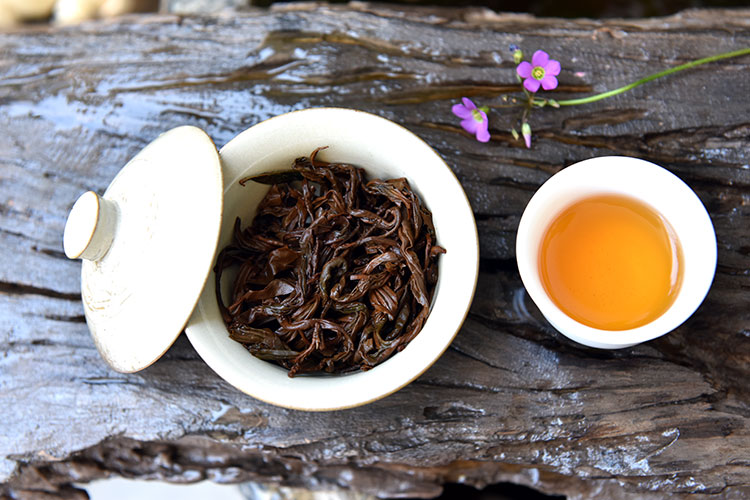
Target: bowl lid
[{"x": 147, "y": 246}]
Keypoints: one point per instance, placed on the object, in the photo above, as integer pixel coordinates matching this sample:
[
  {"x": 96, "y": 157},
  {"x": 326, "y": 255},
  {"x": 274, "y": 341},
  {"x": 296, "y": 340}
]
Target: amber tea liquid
[{"x": 611, "y": 262}]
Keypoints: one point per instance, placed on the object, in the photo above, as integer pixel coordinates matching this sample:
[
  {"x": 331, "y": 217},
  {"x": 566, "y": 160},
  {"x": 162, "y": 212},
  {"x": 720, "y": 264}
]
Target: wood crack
[
  {"x": 703, "y": 398},
  {"x": 455, "y": 348},
  {"x": 18, "y": 289},
  {"x": 57, "y": 254},
  {"x": 77, "y": 318}
]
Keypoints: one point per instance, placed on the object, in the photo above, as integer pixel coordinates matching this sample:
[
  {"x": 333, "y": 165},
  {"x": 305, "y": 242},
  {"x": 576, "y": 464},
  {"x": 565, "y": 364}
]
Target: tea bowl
[{"x": 385, "y": 150}]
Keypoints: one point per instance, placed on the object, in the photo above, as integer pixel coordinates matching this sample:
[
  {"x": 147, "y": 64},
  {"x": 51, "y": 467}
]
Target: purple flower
[
  {"x": 474, "y": 119},
  {"x": 541, "y": 71}
]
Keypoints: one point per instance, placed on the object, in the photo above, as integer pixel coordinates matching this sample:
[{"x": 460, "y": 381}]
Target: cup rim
[{"x": 640, "y": 179}]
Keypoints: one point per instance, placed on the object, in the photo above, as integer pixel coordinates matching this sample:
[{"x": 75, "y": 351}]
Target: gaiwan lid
[{"x": 147, "y": 246}]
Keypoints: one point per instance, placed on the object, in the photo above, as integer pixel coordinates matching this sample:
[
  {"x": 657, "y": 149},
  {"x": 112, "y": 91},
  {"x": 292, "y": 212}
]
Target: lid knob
[{"x": 90, "y": 227}]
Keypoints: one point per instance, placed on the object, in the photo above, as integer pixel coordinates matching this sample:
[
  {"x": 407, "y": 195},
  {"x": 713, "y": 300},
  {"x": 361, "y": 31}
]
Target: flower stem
[{"x": 691, "y": 64}]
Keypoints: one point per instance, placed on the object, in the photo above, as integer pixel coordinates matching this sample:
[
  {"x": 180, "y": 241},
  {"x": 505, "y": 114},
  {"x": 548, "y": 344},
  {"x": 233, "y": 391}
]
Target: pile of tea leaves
[{"x": 335, "y": 273}]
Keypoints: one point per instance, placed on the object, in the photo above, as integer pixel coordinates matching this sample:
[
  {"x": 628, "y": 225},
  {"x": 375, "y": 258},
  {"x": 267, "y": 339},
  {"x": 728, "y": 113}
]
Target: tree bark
[{"x": 511, "y": 400}]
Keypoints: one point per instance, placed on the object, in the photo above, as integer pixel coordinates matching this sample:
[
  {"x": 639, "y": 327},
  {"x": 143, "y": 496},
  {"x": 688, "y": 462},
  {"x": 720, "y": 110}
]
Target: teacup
[{"x": 655, "y": 187}]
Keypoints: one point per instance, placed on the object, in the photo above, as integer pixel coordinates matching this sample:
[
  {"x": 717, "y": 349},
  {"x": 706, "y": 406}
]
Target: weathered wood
[{"x": 511, "y": 400}]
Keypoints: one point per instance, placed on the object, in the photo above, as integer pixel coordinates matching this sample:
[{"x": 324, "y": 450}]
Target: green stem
[{"x": 691, "y": 64}]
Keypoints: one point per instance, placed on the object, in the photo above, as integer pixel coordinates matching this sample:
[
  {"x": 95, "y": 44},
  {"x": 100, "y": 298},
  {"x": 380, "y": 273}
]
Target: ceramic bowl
[
  {"x": 385, "y": 150},
  {"x": 654, "y": 186}
]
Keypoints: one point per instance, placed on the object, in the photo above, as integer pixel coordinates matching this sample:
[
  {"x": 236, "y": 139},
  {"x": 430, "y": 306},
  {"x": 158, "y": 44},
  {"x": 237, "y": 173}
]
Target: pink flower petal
[
  {"x": 549, "y": 82},
  {"x": 470, "y": 125},
  {"x": 539, "y": 58},
  {"x": 461, "y": 111},
  {"x": 468, "y": 103},
  {"x": 524, "y": 69},
  {"x": 552, "y": 68},
  {"x": 483, "y": 134},
  {"x": 531, "y": 84},
  {"x": 527, "y": 140}
]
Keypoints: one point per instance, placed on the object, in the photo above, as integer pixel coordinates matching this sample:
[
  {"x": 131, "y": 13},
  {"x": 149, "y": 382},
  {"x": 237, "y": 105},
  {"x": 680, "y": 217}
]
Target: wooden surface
[{"x": 511, "y": 400}]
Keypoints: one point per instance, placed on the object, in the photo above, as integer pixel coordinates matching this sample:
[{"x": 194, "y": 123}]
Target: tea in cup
[{"x": 616, "y": 251}]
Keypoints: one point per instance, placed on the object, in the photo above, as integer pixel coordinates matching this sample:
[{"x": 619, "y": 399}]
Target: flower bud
[
  {"x": 517, "y": 53},
  {"x": 526, "y": 133}
]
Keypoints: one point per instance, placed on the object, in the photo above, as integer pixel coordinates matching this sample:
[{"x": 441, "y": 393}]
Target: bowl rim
[
  {"x": 213, "y": 361},
  {"x": 565, "y": 181}
]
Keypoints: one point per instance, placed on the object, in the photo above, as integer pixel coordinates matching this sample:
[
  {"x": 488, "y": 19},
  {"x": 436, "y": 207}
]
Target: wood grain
[{"x": 511, "y": 400}]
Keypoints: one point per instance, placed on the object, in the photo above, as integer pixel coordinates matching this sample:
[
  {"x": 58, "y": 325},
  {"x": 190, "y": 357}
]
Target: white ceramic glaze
[
  {"x": 147, "y": 245},
  {"x": 640, "y": 179},
  {"x": 385, "y": 150},
  {"x": 90, "y": 227}
]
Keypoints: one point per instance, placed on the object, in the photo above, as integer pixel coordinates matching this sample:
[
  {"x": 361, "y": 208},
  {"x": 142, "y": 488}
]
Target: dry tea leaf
[{"x": 336, "y": 273}]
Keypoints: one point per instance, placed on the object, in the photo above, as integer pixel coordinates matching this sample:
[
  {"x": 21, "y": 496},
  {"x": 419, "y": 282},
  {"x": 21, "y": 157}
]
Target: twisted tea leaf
[{"x": 336, "y": 273}]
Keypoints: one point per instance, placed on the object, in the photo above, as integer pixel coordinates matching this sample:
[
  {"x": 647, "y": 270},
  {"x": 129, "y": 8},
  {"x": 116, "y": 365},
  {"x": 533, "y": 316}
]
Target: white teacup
[{"x": 649, "y": 183}]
